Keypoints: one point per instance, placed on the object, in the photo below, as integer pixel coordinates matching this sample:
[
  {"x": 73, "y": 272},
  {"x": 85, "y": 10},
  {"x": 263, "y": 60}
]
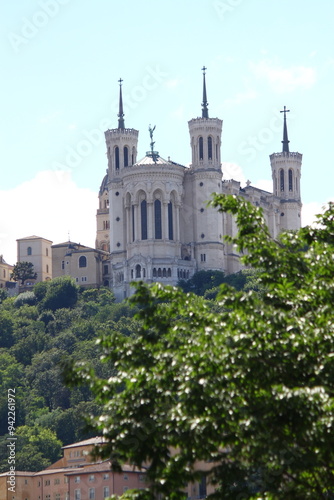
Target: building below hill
[
  {"x": 153, "y": 215},
  {"x": 76, "y": 477}
]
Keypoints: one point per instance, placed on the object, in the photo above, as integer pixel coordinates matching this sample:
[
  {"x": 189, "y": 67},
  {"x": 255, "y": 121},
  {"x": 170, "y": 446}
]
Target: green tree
[
  {"x": 61, "y": 292},
  {"x": 248, "y": 391},
  {"x": 23, "y": 271}
]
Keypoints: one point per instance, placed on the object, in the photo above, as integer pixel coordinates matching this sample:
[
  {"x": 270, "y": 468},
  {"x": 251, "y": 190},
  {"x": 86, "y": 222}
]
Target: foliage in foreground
[{"x": 248, "y": 391}]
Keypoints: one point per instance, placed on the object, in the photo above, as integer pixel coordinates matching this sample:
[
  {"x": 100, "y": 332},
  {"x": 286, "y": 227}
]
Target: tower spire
[
  {"x": 205, "y": 110},
  {"x": 120, "y": 113},
  {"x": 285, "y": 142}
]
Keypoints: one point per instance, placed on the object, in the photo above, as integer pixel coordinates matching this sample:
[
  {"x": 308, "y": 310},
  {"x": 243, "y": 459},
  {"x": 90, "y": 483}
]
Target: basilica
[{"x": 153, "y": 222}]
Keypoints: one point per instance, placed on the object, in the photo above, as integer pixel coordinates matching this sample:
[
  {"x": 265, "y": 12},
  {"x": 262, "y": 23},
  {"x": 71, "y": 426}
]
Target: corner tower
[
  {"x": 286, "y": 174},
  {"x": 205, "y": 137},
  {"x": 121, "y": 143},
  {"x": 203, "y": 178}
]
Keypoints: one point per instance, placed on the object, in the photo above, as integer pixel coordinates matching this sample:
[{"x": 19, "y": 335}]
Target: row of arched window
[
  {"x": 183, "y": 274},
  {"x": 157, "y": 220},
  {"x": 162, "y": 272},
  {"x": 282, "y": 180},
  {"x": 207, "y": 147},
  {"x": 127, "y": 158}
]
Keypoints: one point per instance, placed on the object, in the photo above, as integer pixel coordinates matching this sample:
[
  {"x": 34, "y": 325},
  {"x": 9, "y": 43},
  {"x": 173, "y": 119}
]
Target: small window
[
  {"x": 47, "y": 268},
  {"x": 105, "y": 476},
  {"x": 82, "y": 261},
  {"x": 200, "y": 143},
  {"x": 117, "y": 158},
  {"x": 84, "y": 278},
  {"x": 91, "y": 478},
  {"x": 290, "y": 180},
  {"x": 106, "y": 492},
  {"x": 210, "y": 148},
  {"x": 29, "y": 251},
  {"x": 77, "y": 479},
  {"x": 63, "y": 264},
  {"x": 91, "y": 493},
  {"x": 77, "y": 494},
  {"x": 47, "y": 252},
  {"x": 125, "y": 477}
]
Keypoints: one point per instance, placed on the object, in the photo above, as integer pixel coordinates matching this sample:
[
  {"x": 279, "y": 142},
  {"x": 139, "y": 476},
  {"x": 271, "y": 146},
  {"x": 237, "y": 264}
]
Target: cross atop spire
[
  {"x": 120, "y": 112},
  {"x": 285, "y": 142},
  {"x": 205, "y": 110}
]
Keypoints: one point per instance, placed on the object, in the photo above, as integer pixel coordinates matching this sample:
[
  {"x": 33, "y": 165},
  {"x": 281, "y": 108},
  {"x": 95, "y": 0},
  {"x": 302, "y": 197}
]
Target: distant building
[
  {"x": 88, "y": 266},
  {"x": 76, "y": 477},
  {"x": 153, "y": 213},
  {"x": 5, "y": 272},
  {"x": 36, "y": 250}
]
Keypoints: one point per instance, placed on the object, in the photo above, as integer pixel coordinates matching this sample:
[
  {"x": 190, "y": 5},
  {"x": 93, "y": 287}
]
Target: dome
[{"x": 104, "y": 184}]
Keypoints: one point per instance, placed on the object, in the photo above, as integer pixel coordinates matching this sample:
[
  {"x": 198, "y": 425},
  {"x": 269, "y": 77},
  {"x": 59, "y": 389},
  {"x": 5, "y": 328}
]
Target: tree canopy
[
  {"x": 247, "y": 391},
  {"x": 23, "y": 271}
]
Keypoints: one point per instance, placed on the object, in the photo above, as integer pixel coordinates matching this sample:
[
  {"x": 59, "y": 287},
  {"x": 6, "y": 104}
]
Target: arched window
[
  {"x": 170, "y": 220},
  {"x": 138, "y": 271},
  {"x": 126, "y": 156},
  {"x": 164, "y": 273},
  {"x": 159, "y": 272},
  {"x": 29, "y": 251},
  {"x": 169, "y": 272},
  {"x": 143, "y": 213},
  {"x": 47, "y": 252},
  {"x": 290, "y": 180},
  {"x": 200, "y": 144},
  {"x": 117, "y": 158},
  {"x": 133, "y": 156},
  {"x": 82, "y": 261},
  {"x": 154, "y": 272},
  {"x": 47, "y": 268},
  {"x": 281, "y": 179},
  {"x": 157, "y": 220},
  {"x": 106, "y": 283},
  {"x": 133, "y": 222},
  {"x": 210, "y": 148}
]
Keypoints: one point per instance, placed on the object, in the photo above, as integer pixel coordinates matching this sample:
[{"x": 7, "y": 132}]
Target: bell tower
[
  {"x": 122, "y": 153},
  {"x": 286, "y": 174},
  {"x": 121, "y": 143},
  {"x": 205, "y": 178},
  {"x": 205, "y": 137}
]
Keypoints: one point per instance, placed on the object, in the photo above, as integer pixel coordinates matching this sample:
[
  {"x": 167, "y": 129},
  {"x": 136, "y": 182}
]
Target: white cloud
[
  {"x": 50, "y": 205},
  {"x": 264, "y": 184},
  {"x": 284, "y": 79},
  {"x": 233, "y": 171},
  {"x": 309, "y": 211}
]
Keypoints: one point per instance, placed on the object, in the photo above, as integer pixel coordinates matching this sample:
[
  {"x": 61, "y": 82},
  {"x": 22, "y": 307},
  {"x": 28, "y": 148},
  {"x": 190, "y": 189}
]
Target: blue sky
[{"x": 61, "y": 60}]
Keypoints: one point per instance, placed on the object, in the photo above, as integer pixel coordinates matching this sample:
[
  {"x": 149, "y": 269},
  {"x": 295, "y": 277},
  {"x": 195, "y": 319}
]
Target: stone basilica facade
[{"x": 153, "y": 216}]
